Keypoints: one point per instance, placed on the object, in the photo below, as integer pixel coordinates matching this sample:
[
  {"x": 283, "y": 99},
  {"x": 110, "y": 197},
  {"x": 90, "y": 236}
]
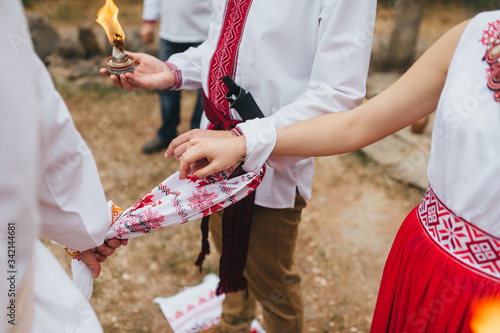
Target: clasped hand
[{"x": 93, "y": 258}]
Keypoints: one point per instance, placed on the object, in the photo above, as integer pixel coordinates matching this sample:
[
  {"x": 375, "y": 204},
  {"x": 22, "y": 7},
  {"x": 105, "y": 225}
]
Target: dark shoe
[{"x": 154, "y": 146}]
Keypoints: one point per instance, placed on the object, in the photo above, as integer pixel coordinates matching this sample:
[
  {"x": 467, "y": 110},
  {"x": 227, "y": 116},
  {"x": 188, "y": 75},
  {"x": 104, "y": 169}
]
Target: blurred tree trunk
[{"x": 401, "y": 51}]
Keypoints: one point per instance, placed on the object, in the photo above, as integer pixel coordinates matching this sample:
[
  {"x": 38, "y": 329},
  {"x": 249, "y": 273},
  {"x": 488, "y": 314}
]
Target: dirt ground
[{"x": 346, "y": 233}]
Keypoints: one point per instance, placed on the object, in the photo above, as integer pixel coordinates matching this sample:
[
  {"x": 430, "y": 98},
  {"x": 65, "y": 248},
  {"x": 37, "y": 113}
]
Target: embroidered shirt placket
[{"x": 226, "y": 54}]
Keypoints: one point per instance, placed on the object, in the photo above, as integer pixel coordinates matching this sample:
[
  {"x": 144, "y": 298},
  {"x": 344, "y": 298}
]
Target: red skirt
[{"x": 438, "y": 267}]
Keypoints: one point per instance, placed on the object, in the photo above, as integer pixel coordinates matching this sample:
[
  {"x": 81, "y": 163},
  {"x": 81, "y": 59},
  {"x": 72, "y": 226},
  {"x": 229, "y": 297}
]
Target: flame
[
  {"x": 485, "y": 316},
  {"x": 107, "y": 17}
]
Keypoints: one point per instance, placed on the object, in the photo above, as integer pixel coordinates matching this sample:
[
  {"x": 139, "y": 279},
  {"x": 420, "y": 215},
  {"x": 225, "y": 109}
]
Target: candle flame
[
  {"x": 107, "y": 17},
  {"x": 486, "y": 316}
]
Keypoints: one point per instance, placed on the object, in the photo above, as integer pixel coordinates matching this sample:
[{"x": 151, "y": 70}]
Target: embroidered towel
[
  {"x": 196, "y": 308},
  {"x": 172, "y": 202}
]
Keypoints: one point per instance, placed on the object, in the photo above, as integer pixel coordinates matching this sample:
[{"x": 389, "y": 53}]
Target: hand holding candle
[
  {"x": 127, "y": 70},
  {"x": 149, "y": 73}
]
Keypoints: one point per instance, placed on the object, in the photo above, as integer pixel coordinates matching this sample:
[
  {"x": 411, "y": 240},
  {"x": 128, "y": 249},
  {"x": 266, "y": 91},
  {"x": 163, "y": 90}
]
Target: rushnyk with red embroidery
[{"x": 172, "y": 202}]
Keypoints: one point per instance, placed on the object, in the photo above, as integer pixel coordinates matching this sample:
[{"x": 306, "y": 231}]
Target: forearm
[
  {"x": 412, "y": 97},
  {"x": 394, "y": 109}
]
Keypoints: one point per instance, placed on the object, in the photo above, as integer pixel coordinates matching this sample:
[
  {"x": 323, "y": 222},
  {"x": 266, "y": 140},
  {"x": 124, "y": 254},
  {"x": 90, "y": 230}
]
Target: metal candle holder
[{"x": 119, "y": 62}]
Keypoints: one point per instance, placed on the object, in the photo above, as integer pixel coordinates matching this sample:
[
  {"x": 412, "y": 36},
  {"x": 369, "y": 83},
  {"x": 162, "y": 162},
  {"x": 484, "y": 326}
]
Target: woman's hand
[
  {"x": 179, "y": 145},
  {"x": 149, "y": 73},
  {"x": 204, "y": 157}
]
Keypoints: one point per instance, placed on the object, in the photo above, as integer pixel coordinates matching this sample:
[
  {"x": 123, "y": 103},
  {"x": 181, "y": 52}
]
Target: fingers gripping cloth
[{"x": 172, "y": 202}]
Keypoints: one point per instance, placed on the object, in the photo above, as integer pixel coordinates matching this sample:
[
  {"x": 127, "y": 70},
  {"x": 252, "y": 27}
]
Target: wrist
[
  {"x": 241, "y": 144},
  {"x": 177, "y": 76},
  {"x": 236, "y": 132}
]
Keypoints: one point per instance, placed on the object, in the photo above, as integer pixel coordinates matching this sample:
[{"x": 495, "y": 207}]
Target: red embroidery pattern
[
  {"x": 225, "y": 55},
  {"x": 203, "y": 200},
  {"x": 177, "y": 203},
  {"x": 193, "y": 199},
  {"x": 491, "y": 39},
  {"x": 145, "y": 201},
  {"x": 145, "y": 222},
  {"x": 255, "y": 182},
  {"x": 210, "y": 179},
  {"x": 490, "y": 34},
  {"x": 182, "y": 318},
  {"x": 463, "y": 241},
  {"x": 224, "y": 189}
]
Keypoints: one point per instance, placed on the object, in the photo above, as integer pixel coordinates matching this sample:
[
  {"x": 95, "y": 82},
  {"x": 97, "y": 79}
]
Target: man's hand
[
  {"x": 93, "y": 259},
  {"x": 147, "y": 32},
  {"x": 204, "y": 157},
  {"x": 179, "y": 145},
  {"x": 149, "y": 73}
]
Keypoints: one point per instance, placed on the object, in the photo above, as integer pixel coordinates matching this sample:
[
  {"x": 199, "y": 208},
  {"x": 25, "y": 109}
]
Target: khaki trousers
[{"x": 270, "y": 271}]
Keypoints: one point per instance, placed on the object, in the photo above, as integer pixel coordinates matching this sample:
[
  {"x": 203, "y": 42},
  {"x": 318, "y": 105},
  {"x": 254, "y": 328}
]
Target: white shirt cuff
[{"x": 260, "y": 137}]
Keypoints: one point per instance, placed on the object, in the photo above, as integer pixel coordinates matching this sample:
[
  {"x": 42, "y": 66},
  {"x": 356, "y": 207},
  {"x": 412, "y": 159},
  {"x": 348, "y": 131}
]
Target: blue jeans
[{"x": 170, "y": 100}]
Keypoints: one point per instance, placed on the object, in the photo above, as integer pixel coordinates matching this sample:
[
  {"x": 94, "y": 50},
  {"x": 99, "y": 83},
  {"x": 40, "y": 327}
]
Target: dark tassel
[
  {"x": 225, "y": 287},
  {"x": 236, "y": 222},
  {"x": 236, "y": 226},
  {"x": 205, "y": 245}
]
